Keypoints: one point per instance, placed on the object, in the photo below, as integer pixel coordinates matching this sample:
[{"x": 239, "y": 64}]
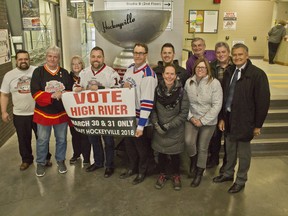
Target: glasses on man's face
[
  {"x": 139, "y": 53},
  {"x": 201, "y": 68}
]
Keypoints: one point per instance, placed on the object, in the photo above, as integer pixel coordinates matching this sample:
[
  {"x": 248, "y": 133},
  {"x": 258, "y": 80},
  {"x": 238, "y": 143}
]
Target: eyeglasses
[
  {"x": 139, "y": 53},
  {"x": 201, "y": 68}
]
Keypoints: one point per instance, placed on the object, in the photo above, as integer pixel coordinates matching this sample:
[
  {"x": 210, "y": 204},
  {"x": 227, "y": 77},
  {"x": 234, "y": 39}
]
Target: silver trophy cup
[{"x": 124, "y": 28}]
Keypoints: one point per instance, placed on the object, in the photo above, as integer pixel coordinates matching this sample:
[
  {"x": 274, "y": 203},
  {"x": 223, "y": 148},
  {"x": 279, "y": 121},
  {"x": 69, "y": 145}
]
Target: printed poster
[
  {"x": 229, "y": 20},
  {"x": 102, "y": 112},
  {"x": 5, "y": 53},
  {"x": 30, "y": 14}
]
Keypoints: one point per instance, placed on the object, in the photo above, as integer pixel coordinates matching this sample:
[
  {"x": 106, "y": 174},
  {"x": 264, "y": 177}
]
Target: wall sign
[
  {"x": 229, "y": 20},
  {"x": 203, "y": 21},
  {"x": 5, "y": 54},
  {"x": 142, "y": 5}
]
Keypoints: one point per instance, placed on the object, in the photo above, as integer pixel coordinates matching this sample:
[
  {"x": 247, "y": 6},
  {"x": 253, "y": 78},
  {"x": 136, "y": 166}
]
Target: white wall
[{"x": 71, "y": 36}]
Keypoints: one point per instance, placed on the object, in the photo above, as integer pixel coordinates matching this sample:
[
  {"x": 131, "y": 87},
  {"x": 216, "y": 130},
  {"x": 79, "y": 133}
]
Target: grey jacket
[
  {"x": 205, "y": 99},
  {"x": 172, "y": 142},
  {"x": 276, "y": 33}
]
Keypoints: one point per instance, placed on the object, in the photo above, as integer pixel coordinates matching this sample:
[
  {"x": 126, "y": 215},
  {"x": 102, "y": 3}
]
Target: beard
[
  {"x": 23, "y": 66},
  {"x": 98, "y": 66}
]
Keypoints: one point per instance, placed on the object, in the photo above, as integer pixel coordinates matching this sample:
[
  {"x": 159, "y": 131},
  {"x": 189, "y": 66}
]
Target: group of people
[{"x": 187, "y": 110}]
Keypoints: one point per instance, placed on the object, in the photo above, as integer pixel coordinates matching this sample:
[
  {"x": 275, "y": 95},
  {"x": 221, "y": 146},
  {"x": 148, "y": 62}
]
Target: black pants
[
  {"x": 80, "y": 144},
  {"x": 215, "y": 146},
  {"x": 137, "y": 149},
  {"x": 169, "y": 163},
  {"x": 24, "y": 126},
  {"x": 273, "y": 47}
]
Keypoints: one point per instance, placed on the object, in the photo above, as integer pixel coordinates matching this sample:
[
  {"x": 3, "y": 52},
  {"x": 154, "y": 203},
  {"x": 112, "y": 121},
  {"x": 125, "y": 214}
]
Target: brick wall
[{"x": 6, "y": 130}]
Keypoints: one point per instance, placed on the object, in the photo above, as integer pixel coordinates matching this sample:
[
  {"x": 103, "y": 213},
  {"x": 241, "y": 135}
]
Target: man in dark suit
[{"x": 245, "y": 107}]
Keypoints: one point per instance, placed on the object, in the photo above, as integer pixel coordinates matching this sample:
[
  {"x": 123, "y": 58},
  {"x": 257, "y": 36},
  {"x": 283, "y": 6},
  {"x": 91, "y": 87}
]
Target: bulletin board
[{"x": 203, "y": 21}]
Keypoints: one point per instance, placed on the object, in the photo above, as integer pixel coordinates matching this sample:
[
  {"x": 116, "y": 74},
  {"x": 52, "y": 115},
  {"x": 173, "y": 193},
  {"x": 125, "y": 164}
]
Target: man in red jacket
[{"x": 48, "y": 83}]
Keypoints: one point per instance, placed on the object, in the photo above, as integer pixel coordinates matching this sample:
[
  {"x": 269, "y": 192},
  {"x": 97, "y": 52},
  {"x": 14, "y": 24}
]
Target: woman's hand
[{"x": 196, "y": 122}]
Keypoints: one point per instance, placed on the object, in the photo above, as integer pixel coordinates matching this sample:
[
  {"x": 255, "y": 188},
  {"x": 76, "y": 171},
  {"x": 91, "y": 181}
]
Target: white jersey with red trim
[
  {"x": 144, "y": 80},
  {"x": 105, "y": 77}
]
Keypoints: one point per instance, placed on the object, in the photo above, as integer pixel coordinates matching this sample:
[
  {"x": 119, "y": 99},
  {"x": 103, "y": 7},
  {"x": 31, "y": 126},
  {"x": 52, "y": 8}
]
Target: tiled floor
[{"x": 80, "y": 193}]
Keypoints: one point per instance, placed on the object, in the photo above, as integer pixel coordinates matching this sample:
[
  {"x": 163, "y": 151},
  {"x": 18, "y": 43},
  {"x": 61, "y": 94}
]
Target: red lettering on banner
[
  {"x": 112, "y": 110},
  {"x": 93, "y": 97},
  {"x": 104, "y": 96},
  {"x": 116, "y": 96},
  {"x": 81, "y": 99},
  {"x": 85, "y": 110}
]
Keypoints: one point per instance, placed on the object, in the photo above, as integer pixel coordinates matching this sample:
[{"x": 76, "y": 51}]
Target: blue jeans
[
  {"x": 98, "y": 150},
  {"x": 42, "y": 144}
]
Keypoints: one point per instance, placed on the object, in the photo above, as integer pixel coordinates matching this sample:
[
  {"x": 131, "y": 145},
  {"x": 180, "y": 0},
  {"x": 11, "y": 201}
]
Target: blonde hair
[{"x": 79, "y": 58}]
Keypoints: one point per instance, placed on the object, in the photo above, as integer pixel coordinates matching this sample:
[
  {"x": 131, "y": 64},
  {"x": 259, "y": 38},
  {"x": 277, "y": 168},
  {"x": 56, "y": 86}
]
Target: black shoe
[
  {"x": 198, "y": 177},
  {"x": 236, "y": 188},
  {"x": 139, "y": 178},
  {"x": 222, "y": 169},
  {"x": 108, "y": 172},
  {"x": 48, "y": 163},
  {"x": 127, "y": 174},
  {"x": 93, "y": 167},
  {"x": 74, "y": 159},
  {"x": 222, "y": 178}
]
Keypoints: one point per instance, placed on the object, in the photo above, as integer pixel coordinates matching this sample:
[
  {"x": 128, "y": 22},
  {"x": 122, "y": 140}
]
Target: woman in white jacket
[{"x": 205, "y": 97}]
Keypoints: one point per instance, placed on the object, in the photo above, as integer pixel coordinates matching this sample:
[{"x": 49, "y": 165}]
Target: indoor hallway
[{"x": 80, "y": 193}]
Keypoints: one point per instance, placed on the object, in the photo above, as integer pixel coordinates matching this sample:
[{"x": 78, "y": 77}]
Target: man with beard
[
  {"x": 99, "y": 76},
  {"x": 17, "y": 82},
  {"x": 167, "y": 55}
]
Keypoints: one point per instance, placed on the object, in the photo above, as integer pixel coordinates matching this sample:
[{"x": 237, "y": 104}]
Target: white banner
[{"x": 102, "y": 112}]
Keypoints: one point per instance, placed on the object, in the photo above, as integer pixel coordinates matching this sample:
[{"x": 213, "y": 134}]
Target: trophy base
[{"x": 123, "y": 60}]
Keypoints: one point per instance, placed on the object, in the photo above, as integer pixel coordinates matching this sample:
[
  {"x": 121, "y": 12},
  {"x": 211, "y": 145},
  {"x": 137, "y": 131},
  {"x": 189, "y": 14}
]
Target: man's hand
[
  {"x": 5, "y": 117},
  {"x": 77, "y": 89},
  {"x": 57, "y": 95},
  {"x": 139, "y": 133},
  {"x": 221, "y": 125},
  {"x": 257, "y": 131},
  {"x": 93, "y": 87},
  {"x": 127, "y": 85}
]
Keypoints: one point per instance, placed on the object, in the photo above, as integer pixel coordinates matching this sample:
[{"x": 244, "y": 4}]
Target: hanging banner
[
  {"x": 102, "y": 112},
  {"x": 30, "y": 14},
  {"x": 5, "y": 53},
  {"x": 229, "y": 20}
]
